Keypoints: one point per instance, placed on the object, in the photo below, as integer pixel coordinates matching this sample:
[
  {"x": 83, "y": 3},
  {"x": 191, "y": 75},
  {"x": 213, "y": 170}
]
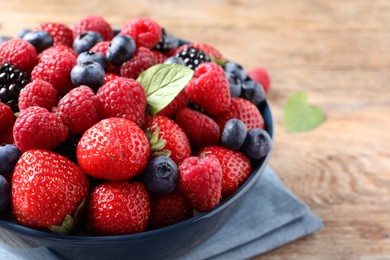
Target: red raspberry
[
  {"x": 78, "y": 110},
  {"x": 62, "y": 34},
  {"x": 102, "y": 47},
  {"x": 142, "y": 59},
  {"x": 159, "y": 57},
  {"x": 56, "y": 70},
  {"x": 6, "y": 116},
  {"x": 49, "y": 52},
  {"x": 200, "y": 129},
  {"x": 145, "y": 31},
  {"x": 93, "y": 23},
  {"x": 236, "y": 167},
  {"x": 200, "y": 181},
  {"x": 37, "y": 128},
  {"x": 241, "y": 109},
  {"x": 110, "y": 76},
  {"x": 169, "y": 209},
  {"x": 6, "y": 136},
  {"x": 122, "y": 97},
  {"x": 260, "y": 75},
  {"x": 180, "y": 101},
  {"x": 209, "y": 88},
  {"x": 38, "y": 93},
  {"x": 19, "y": 53},
  {"x": 207, "y": 49}
]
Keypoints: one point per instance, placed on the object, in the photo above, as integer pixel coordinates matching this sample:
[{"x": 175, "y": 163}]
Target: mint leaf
[
  {"x": 299, "y": 115},
  {"x": 162, "y": 83}
]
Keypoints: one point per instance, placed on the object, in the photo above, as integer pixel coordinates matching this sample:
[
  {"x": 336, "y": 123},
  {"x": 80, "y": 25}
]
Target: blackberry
[
  {"x": 193, "y": 57},
  {"x": 12, "y": 80},
  {"x": 167, "y": 42}
]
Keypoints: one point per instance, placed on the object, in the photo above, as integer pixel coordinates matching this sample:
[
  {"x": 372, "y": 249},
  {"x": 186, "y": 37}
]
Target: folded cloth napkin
[{"x": 269, "y": 217}]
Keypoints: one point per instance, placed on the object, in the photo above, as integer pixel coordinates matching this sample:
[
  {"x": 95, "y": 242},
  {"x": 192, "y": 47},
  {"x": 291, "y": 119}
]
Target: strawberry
[
  {"x": 118, "y": 208},
  {"x": 200, "y": 129},
  {"x": 6, "y": 116},
  {"x": 180, "y": 101},
  {"x": 19, "y": 53},
  {"x": 236, "y": 167},
  {"x": 93, "y": 23},
  {"x": 209, "y": 88},
  {"x": 241, "y": 109},
  {"x": 169, "y": 209},
  {"x": 38, "y": 93},
  {"x": 61, "y": 34},
  {"x": 142, "y": 59},
  {"x": 145, "y": 31},
  {"x": 200, "y": 181},
  {"x": 176, "y": 140},
  {"x": 47, "y": 191},
  {"x": 113, "y": 149},
  {"x": 260, "y": 75}
]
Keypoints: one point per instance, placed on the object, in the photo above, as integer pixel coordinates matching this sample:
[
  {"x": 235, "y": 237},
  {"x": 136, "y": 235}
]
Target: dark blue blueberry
[
  {"x": 116, "y": 31},
  {"x": 183, "y": 42},
  {"x": 9, "y": 155},
  {"x": 161, "y": 175},
  {"x": 86, "y": 41},
  {"x": 236, "y": 69},
  {"x": 257, "y": 144},
  {"x": 23, "y": 32},
  {"x": 93, "y": 56},
  {"x": 88, "y": 73},
  {"x": 121, "y": 49},
  {"x": 41, "y": 40},
  {"x": 4, "y": 38},
  {"x": 167, "y": 42},
  {"x": 174, "y": 60},
  {"x": 253, "y": 92},
  {"x": 234, "y": 134},
  {"x": 235, "y": 84},
  {"x": 5, "y": 193}
]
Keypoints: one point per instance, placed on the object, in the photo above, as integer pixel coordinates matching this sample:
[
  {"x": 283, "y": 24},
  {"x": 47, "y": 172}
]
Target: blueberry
[
  {"x": 167, "y": 42},
  {"x": 4, "y": 38},
  {"x": 93, "y": 56},
  {"x": 89, "y": 73},
  {"x": 161, "y": 175},
  {"x": 5, "y": 193},
  {"x": 23, "y": 31},
  {"x": 121, "y": 49},
  {"x": 86, "y": 41},
  {"x": 257, "y": 143},
  {"x": 9, "y": 155},
  {"x": 174, "y": 60},
  {"x": 41, "y": 40},
  {"x": 116, "y": 31},
  {"x": 235, "y": 84},
  {"x": 234, "y": 134},
  {"x": 253, "y": 92},
  {"x": 236, "y": 69}
]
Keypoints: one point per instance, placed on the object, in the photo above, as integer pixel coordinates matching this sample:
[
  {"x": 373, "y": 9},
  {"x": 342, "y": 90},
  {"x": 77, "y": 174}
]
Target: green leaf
[
  {"x": 299, "y": 115},
  {"x": 162, "y": 83}
]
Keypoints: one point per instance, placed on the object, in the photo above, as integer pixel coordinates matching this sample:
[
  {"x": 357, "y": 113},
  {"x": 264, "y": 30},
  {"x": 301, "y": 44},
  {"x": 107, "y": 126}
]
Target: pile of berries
[{"x": 122, "y": 132}]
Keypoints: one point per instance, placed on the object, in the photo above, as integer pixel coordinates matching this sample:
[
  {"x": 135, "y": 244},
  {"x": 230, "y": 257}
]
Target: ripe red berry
[
  {"x": 142, "y": 59},
  {"x": 19, "y": 53},
  {"x": 38, "y": 93},
  {"x": 260, "y": 75},
  {"x": 6, "y": 116},
  {"x": 61, "y": 34},
  {"x": 180, "y": 101},
  {"x": 93, "y": 23},
  {"x": 56, "y": 49},
  {"x": 145, "y": 31}
]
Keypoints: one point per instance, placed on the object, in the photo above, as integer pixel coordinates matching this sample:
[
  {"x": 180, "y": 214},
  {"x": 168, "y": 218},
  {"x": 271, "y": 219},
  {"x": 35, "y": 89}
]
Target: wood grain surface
[{"x": 338, "y": 52}]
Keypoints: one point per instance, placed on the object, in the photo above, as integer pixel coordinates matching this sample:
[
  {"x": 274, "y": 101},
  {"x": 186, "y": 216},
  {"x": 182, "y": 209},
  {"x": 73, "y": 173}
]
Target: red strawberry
[
  {"x": 47, "y": 189},
  {"x": 37, "y": 128},
  {"x": 93, "y": 23},
  {"x": 62, "y": 34},
  {"x": 176, "y": 140},
  {"x": 56, "y": 70},
  {"x": 142, "y": 59},
  {"x": 236, "y": 167},
  {"x": 180, "y": 101},
  {"x": 200, "y": 129},
  {"x": 49, "y": 52},
  {"x": 122, "y": 97},
  {"x": 38, "y": 93},
  {"x": 78, "y": 110},
  {"x": 206, "y": 48},
  {"x": 145, "y": 31},
  {"x": 102, "y": 47},
  {"x": 209, "y": 88},
  {"x": 118, "y": 208},
  {"x": 200, "y": 181},
  {"x": 169, "y": 209},
  {"x": 113, "y": 149},
  {"x": 260, "y": 75},
  {"x": 19, "y": 53},
  {"x": 6, "y": 116},
  {"x": 241, "y": 109}
]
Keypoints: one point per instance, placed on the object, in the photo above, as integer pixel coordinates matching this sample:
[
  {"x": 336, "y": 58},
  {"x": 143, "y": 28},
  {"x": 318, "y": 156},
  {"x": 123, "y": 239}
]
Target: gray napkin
[{"x": 269, "y": 217}]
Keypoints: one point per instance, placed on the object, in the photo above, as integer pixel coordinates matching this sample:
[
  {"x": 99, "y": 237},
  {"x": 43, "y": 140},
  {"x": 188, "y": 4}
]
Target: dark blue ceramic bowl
[{"x": 164, "y": 243}]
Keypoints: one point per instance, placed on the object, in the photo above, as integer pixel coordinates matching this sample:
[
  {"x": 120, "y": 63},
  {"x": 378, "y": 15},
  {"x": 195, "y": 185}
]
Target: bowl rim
[{"x": 264, "y": 109}]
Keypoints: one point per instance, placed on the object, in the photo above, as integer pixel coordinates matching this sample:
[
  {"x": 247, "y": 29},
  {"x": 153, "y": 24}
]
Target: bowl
[{"x": 163, "y": 243}]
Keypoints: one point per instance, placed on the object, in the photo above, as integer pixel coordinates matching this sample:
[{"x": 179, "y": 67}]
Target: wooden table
[{"x": 338, "y": 52}]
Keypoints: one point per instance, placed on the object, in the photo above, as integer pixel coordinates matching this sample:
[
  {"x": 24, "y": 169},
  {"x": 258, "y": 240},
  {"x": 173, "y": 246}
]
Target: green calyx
[{"x": 157, "y": 145}]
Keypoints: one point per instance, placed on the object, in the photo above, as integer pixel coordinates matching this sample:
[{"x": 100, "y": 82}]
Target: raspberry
[
  {"x": 38, "y": 93},
  {"x": 110, "y": 76},
  {"x": 169, "y": 209},
  {"x": 159, "y": 57},
  {"x": 180, "y": 101},
  {"x": 207, "y": 49},
  {"x": 93, "y": 23},
  {"x": 145, "y": 31},
  {"x": 37, "y": 128},
  {"x": 260, "y": 75},
  {"x": 6, "y": 136},
  {"x": 62, "y": 34},
  {"x": 102, "y": 47},
  {"x": 6, "y": 116},
  {"x": 19, "y": 53},
  {"x": 143, "y": 59},
  {"x": 56, "y": 70},
  {"x": 122, "y": 97},
  {"x": 78, "y": 110},
  {"x": 48, "y": 53}
]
